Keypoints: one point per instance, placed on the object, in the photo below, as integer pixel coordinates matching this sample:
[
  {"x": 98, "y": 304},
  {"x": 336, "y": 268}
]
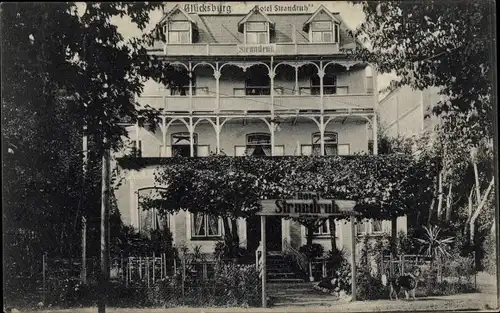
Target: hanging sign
[
  {"x": 257, "y": 49},
  {"x": 239, "y": 8},
  {"x": 310, "y": 207}
]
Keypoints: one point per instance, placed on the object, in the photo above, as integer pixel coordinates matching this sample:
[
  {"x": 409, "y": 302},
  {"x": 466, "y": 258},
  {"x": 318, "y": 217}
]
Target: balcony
[
  {"x": 230, "y": 49},
  {"x": 256, "y": 103}
]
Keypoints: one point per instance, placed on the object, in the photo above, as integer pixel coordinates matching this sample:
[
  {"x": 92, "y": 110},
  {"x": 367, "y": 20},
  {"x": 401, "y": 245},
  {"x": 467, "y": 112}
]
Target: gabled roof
[
  {"x": 174, "y": 10},
  {"x": 255, "y": 10},
  {"x": 320, "y": 9}
]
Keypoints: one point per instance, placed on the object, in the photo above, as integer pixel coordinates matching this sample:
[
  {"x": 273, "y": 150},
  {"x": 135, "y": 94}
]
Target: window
[
  {"x": 325, "y": 32},
  {"x": 323, "y": 229},
  {"x": 205, "y": 225},
  {"x": 329, "y": 85},
  {"x": 183, "y": 88},
  {"x": 149, "y": 219},
  {"x": 322, "y": 32},
  {"x": 181, "y": 144},
  {"x": 179, "y": 32},
  {"x": 256, "y": 33},
  {"x": 258, "y": 83},
  {"x": 330, "y": 145},
  {"x": 367, "y": 227},
  {"x": 258, "y": 144}
]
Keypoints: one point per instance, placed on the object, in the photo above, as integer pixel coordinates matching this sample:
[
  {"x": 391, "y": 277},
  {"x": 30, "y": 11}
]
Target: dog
[{"x": 407, "y": 282}]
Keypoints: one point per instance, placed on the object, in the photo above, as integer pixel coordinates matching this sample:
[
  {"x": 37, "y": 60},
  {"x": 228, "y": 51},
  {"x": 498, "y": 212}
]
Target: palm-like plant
[{"x": 435, "y": 246}]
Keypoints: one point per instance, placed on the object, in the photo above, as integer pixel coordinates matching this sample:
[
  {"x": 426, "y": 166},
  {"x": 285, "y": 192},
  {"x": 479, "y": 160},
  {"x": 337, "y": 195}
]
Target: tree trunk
[
  {"x": 433, "y": 201},
  {"x": 333, "y": 237},
  {"x": 479, "y": 208},
  {"x": 394, "y": 235},
  {"x": 234, "y": 229},
  {"x": 309, "y": 236},
  {"x": 440, "y": 195},
  {"x": 227, "y": 229},
  {"x": 448, "y": 203}
]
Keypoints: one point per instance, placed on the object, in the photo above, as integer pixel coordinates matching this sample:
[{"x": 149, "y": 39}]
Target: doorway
[{"x": 273, "y": 233}]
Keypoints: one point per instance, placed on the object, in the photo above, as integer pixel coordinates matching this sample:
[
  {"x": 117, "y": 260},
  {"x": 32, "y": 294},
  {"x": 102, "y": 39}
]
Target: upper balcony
[
  {"x": 258, "y": 87},
  {"x": 246, "y": 104}
]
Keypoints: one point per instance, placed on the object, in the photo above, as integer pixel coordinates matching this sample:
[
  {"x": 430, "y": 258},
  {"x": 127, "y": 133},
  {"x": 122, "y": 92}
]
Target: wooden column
[
  {"x": 164, "y": 135},
  {"x": 321, "y": 74},
  {"x": 264, "y": 257},
  {"x": 191, "y": 138},
  {"x": 217, "y": 134},
  {"x": 322, "y": 133},
  {"x": 190, "y": 74},
  {"x": 353, "y": 258},
  {"x": 375, "y": 107},
  {"x": 297, "y": 91},
  {"x": 217, "y": 86}
]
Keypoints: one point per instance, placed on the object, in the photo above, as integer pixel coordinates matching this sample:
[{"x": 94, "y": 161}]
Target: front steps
[{"x": 279, "y": 271}]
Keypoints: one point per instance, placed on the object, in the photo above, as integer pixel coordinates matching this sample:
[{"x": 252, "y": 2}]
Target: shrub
[
  {"x": 339, "y": 273},
  {"x": 489, "y": 261},
  {"x": 369, "y": 287},
  {"x": 70, "y": 292},
  {"x": 312, "y": 251},
  {"x": 233, "y": 285},
  {"x": 444, "y": 288},
  {"x": 237, "y": 284},
  {"x": 222, "y": 251}
]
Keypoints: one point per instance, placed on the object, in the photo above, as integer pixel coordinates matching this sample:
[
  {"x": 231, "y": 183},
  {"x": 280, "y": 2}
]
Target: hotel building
[
  {"x": 405, "y": 112},
  {"x": 262, "y": 83}
]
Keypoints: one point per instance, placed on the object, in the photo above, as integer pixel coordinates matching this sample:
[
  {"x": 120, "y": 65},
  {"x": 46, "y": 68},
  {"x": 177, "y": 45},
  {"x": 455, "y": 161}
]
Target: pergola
[{"x": 314, "y": 209}]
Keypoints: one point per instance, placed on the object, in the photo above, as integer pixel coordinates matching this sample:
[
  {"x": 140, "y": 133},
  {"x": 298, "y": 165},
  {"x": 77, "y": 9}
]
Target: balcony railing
[
  {"x": 256, "y": 103},
  {"x": 230, "y": 49}
]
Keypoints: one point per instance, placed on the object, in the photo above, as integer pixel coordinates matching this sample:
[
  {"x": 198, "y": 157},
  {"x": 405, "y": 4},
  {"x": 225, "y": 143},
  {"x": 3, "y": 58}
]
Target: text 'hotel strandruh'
[{"x": 262, "y": 82}]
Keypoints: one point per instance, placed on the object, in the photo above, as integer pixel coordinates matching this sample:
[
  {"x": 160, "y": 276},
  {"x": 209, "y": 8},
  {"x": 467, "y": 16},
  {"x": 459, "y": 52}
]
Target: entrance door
[{"x": 273, "y": 233}]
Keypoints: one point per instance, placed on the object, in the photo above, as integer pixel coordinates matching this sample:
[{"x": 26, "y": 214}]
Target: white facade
[
  {"x": 262, "y": 84},
  {"x": 405, "y": 112}
]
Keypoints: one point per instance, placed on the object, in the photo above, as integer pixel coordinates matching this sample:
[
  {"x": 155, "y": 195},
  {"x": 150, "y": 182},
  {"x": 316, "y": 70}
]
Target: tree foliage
[
  {"x": 384, "y": 186},
  {"x": 66, "y": 66},
  {"x": 433, "y": 43}
]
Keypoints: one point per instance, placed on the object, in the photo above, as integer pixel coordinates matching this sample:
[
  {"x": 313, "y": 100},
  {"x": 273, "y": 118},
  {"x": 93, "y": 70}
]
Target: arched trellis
[
  {"x": 322, "y": 124},
  {"x": 245, "y": 65},
  {"x": 204, "y": 64},
  {"x": 347, "y": 65},
  {"x": 296, "y": 65}
]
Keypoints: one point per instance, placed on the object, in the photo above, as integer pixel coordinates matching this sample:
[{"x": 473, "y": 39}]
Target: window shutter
[
  {"x": 239, "y": 150},
  {"x": 306, "y": 149},
  {"x": 203, "y": 151},
  {"x": 279, "y": 150},
  {"x": 343, "y": 149}
]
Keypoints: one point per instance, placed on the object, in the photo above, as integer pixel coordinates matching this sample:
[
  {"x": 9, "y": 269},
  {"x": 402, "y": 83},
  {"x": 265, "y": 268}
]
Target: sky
[{"x": 351, "y": 14}]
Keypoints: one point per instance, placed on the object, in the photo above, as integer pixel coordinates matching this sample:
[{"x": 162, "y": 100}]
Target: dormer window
[
  {"x": 257, "y": 32},
  {"x": 323, "y": 26},
  {"x": 179, "y": 32},
  {"x": 324, "y": 32}
]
